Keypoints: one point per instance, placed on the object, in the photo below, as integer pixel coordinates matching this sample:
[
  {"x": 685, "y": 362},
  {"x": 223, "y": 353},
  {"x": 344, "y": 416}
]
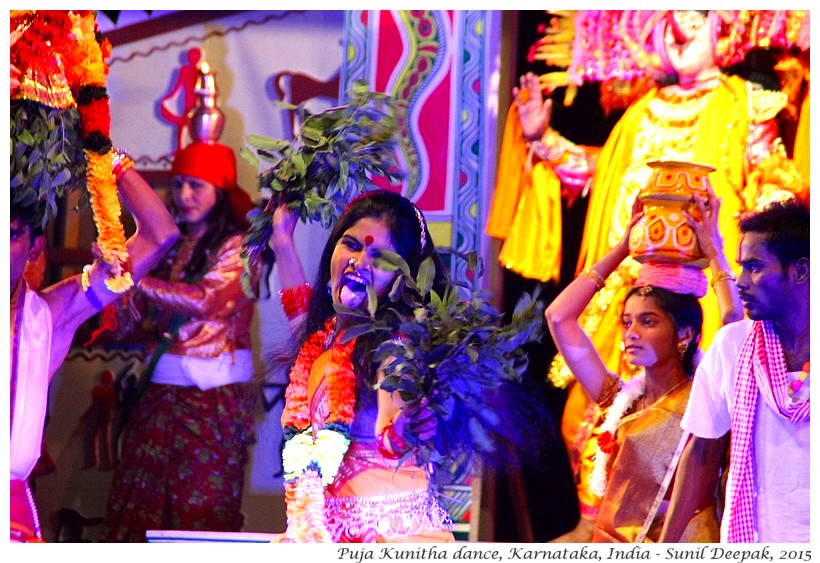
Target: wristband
[
  {"x": 120, "y": 163},
  {"x": 295, "y": 299},
  {"x": 85, "y": 281},
  {"x": 398, "y": 447}
]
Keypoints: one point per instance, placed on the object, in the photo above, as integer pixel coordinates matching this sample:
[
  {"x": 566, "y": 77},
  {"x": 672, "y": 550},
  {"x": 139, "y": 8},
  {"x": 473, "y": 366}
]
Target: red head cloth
[
  {"x": 674, "y": 277},
  {"x": 216, "y": 164}
]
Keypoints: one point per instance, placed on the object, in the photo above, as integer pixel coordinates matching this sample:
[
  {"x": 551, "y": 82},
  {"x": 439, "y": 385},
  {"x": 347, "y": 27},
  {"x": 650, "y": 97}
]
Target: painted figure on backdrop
[
  {"x": 43, "y": 323},
  {"x": 185, "y": 88},
  {"x": 97, "y": 421}
]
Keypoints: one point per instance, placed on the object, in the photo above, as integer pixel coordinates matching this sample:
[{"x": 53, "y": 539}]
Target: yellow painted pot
[{"x": 663, "y": 234}]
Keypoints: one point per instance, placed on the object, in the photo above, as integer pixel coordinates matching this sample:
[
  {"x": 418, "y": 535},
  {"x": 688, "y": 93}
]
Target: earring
[
  {"x": 683, "y": 345},
  {"x": 330, "y": 288}
]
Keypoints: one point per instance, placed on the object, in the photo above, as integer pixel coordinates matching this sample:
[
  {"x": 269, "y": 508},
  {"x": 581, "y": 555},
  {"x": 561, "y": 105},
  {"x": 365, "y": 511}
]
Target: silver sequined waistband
[{"x": 391, "y": 515}]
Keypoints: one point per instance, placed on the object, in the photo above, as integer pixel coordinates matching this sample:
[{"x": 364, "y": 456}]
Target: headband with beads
[{"x": 422, "y": 228}]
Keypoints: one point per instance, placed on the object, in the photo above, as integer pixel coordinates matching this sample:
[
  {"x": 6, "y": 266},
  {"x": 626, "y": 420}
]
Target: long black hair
[
  {"x": 411, "y": 239},
  {"x": 684, "y": 310}
]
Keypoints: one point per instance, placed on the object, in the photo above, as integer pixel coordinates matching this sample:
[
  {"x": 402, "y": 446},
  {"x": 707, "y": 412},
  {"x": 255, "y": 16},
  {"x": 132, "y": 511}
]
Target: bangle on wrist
[
  {"x": 120, "y": 163},
  {"x": 85, "y": 281},
  {"x": 295, "y": 299},
  {"x": 398, "y": 447},
  {"x": 722, "y": 275},
  {"x": 592, "y": 275}
]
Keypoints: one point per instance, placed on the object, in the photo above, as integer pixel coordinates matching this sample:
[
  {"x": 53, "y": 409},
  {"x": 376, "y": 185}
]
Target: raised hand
[
  {"x": 418, "y": 420},
  {"x": 534, "y": 112},
  {"x": 284, "y": 224},
  {"x": 706, "y": 226}
]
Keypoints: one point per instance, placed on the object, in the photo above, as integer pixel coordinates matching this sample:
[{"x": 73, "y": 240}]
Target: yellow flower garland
[{"x": 91, "y": 70}]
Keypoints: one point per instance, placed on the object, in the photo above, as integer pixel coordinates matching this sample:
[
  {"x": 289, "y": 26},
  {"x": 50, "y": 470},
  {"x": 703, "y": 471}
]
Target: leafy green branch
[
  {"x": 457, "y": 353},
  {"x": 332, "y": 159}
]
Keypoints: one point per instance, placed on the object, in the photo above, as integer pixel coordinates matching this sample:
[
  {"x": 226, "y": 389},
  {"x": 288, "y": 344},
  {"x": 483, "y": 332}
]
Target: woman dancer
[
  {"x": 185, "y": 445},
  {"x": 343, "y": 479}
]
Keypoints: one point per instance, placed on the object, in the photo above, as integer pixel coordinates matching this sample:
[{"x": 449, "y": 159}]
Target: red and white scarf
[{"x": 761, "y": 371}]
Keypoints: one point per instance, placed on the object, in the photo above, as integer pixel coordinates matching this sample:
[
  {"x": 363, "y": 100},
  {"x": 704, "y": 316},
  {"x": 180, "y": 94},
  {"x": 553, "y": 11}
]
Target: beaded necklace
[{"x": 795, "y": 385}]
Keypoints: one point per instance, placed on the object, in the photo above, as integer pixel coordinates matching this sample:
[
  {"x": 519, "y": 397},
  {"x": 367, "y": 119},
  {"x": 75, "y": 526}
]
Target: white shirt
[
  {"x": 781, "y": 448},
  {"x": 33, "y": 355}
]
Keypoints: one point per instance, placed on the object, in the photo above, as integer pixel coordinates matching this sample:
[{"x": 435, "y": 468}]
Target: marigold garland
[
  {"x": 310, "y": 464},
  {"x": 87, "y": 66},
  {"x": 62, "y": 56}
]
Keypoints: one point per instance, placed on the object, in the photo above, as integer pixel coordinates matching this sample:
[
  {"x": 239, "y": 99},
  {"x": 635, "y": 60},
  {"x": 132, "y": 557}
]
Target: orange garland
[
  {"x": 62, "y": 57},
  {"x": 341, "y": 382},
  {"x": 87, "y": 67},
  {"x": 304, "y": 494}
]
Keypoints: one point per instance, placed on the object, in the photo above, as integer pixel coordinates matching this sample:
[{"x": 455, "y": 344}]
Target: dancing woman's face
[
  {"x": 351, "y": 265},
  {"x": 194, "y": 198}
]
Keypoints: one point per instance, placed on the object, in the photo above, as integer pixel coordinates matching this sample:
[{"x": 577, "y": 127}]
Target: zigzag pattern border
[{"x": 197, "y": 38}]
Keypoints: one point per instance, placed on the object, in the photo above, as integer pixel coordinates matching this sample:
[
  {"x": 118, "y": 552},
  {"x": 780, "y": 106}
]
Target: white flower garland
[
  {"x": 628, "y": 394},
  {"x": 327, "y": 452}
]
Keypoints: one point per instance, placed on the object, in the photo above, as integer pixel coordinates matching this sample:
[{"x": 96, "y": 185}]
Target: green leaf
[
  {"x": 298, "y": 164},
  {"x": 372, "y": 300},
  {"x": 249, "y": 156},
  {"x": 356, "y": 331},
  {"x": 391, "y": 261},
  {"x": 426, "y": 275},
  {"x": 25, "y": 137},
  {"x": 285, "y": 105},
  {"x": 267, "y": 144}
]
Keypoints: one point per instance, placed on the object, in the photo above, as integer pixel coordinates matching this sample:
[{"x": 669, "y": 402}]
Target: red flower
[
  {"x": 105, "y": 47},
  {"x": 606, "y": 441},
  {"x": 96, "y": 117}
]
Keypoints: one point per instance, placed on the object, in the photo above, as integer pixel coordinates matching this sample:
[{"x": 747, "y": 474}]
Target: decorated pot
[{"x": 663, "y": 234}]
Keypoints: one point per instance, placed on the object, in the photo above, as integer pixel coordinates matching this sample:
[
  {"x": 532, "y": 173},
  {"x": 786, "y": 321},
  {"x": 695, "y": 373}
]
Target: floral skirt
[{"x": 183, "y": 460}]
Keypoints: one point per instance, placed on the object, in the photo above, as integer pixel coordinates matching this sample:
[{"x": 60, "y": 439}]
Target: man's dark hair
[
  {"x": 27, "y": 215},
  {"x": 786, "y": 226}
]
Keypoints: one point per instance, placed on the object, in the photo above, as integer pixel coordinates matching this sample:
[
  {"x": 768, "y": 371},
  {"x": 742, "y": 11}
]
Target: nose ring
[{"x": 352, "y": 261}]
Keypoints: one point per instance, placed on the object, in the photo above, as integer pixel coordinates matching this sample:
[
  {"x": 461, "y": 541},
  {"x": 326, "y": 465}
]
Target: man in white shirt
[
  {"x": 754, "y": 381},
  {"x": 43, "y": 325}
]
